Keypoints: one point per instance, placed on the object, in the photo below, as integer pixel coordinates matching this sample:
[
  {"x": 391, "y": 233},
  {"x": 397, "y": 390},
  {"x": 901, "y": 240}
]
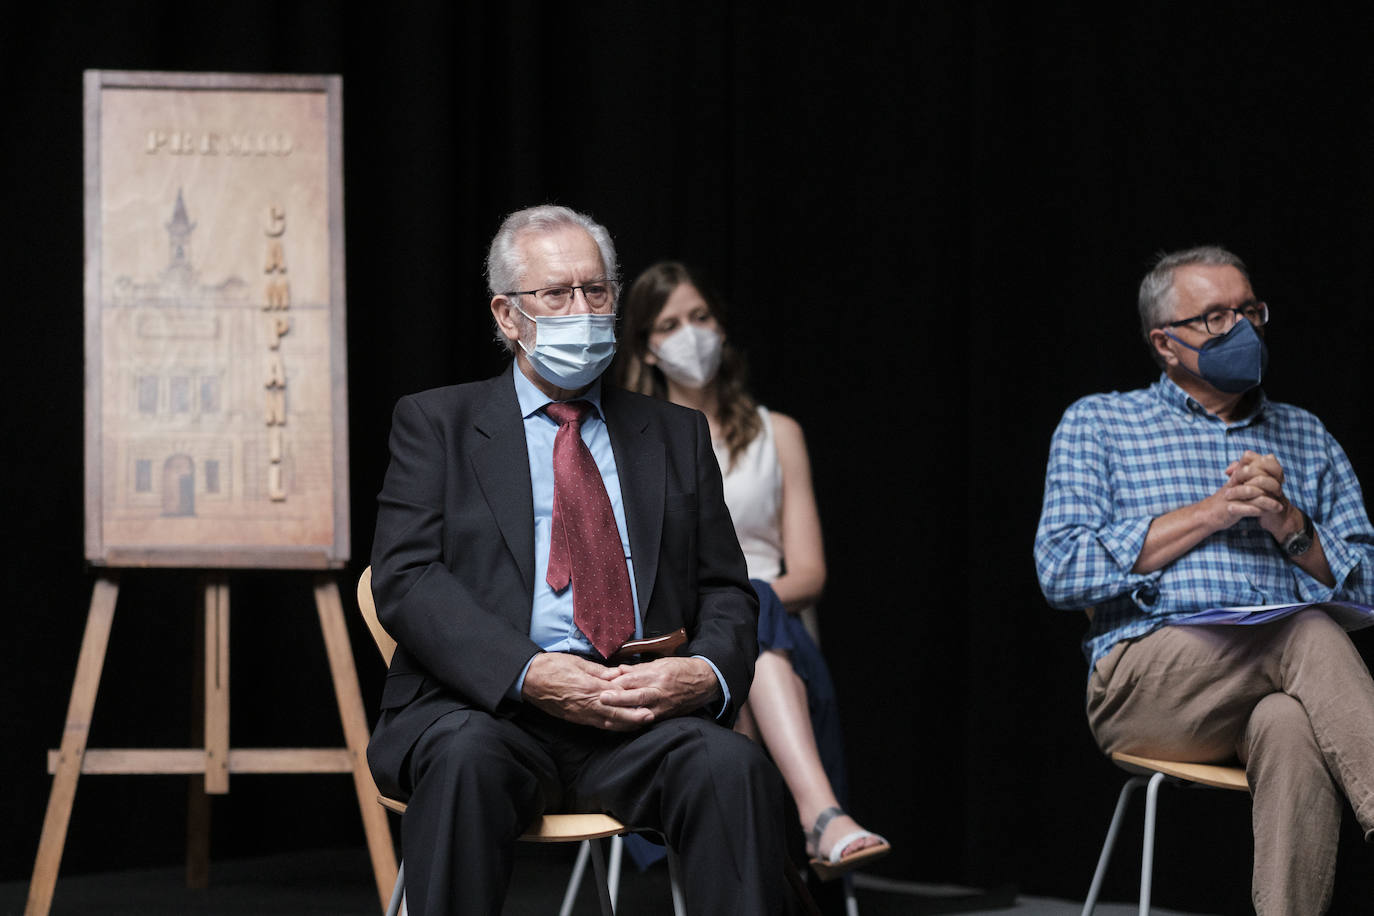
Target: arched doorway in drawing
[{"x": 179, "y": 486}]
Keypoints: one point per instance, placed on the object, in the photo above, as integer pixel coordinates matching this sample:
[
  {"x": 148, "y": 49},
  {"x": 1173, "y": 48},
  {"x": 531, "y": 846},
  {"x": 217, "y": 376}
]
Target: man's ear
[
  {"x": 1163, "y": 346},
  {"x": 504, "y": 315}
]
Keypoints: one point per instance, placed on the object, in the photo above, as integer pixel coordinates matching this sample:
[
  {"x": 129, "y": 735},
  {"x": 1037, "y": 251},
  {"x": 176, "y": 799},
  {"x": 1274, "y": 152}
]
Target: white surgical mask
[
  {"x": 570, "y": 351},
  {"x": 690, "y": 355}
]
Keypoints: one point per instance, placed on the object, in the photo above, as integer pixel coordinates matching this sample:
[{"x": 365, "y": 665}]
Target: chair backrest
[{"x": 385, "y": 644}]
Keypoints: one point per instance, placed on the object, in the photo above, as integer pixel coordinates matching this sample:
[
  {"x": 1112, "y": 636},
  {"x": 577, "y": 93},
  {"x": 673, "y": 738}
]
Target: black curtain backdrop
[{"x": 929, "y": 220}]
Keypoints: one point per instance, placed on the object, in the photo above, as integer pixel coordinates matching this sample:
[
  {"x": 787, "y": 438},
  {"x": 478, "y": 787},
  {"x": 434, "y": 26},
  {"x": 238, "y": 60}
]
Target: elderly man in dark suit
[{"x": 530, "y": 525}]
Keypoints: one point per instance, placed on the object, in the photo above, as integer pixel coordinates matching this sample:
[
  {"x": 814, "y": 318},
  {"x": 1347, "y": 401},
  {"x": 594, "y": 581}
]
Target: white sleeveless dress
[{"x": 753, "y": 493}]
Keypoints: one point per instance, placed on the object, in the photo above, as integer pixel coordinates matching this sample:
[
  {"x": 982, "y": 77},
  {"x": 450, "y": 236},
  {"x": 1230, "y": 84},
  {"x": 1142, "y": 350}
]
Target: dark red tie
[{"x": 585, "y": 548}]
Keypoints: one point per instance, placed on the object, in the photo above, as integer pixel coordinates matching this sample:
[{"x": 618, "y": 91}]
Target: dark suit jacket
[{"x": 453, "y": 557}]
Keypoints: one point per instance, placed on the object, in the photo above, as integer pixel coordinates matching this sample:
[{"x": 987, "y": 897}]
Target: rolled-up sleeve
[
  {"x": 1343, "y": 528},
  {"x": 1083, "y": 551}
]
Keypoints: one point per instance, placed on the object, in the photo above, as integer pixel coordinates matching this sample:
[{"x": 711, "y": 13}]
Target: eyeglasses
[
  {"x": 1220, "y": 320},
  {"x": 599, "y": 295}
]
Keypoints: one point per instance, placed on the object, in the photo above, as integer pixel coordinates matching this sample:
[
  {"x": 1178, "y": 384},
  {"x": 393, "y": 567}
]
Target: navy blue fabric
[{"x": 783, "y": 631}]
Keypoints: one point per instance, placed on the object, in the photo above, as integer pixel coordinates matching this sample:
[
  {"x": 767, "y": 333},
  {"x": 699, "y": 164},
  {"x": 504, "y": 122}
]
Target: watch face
[
  {"x": 1298, "y": 544},
  {"x": 1299, "y": 541}
]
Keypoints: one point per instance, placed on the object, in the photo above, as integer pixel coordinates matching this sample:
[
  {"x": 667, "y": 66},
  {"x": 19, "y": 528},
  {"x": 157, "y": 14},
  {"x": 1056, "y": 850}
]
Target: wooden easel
[{"x": 216, "y": 760}]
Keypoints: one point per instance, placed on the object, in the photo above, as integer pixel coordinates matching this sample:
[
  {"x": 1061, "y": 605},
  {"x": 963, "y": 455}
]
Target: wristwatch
[{"x": 1298, "y": 543}]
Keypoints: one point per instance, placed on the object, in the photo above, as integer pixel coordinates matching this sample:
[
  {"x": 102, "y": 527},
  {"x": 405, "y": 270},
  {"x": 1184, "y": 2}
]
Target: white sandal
[{"x": 836, "y": 864}]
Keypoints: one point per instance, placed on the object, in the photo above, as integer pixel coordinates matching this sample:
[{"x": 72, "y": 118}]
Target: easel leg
[
  {"x": 210, "y": 724},
  {"x": 74, "y": 734},
  {"x": 217, "y": 684},
  {"x": 350, "y": 699},
  {"x": 198, "y": 810}
]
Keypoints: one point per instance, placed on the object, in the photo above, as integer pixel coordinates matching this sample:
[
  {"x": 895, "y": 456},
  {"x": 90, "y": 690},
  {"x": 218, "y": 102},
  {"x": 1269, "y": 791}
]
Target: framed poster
[{"x": 216, "y": 403}]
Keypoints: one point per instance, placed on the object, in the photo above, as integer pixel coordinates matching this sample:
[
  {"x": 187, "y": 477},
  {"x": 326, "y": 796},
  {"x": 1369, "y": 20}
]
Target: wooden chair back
[{"x": 385, "y": 644}]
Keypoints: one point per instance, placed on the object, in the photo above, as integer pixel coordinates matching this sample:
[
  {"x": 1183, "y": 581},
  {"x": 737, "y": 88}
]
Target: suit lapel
[
  {"x": 640, "y": 463},
  {"x": 501, "y": 464}
]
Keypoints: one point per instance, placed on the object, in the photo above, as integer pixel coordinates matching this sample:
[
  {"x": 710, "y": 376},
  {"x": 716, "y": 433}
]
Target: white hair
[{"x": 506, "y": 259}]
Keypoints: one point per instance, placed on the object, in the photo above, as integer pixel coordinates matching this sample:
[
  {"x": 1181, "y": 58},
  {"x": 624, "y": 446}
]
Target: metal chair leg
[
  {"x": 603, "y": 890},
  {"x": 675, "y": 882},
  {"x": 398, "y": 891},
  {"x": 1135, "y": 782},
  {"x": 584, "y": 850},
  {"x": 613, "y": 878},
  {"x": 851, "y": 905},
  {"x": 1147, "y": 855}
]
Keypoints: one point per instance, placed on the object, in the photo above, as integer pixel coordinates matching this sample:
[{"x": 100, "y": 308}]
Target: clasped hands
[
  {"x": 619, "y": 698},
  {"x": 1254, "y": 489}
]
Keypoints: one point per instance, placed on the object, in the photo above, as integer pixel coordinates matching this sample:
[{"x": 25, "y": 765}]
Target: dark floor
[{"x": 339, "y": 883}]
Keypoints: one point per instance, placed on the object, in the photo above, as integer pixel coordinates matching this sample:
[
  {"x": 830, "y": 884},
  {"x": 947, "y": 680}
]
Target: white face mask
[
  {"x": 691, "y": 355},
  {"x": 570, "y": 351}
]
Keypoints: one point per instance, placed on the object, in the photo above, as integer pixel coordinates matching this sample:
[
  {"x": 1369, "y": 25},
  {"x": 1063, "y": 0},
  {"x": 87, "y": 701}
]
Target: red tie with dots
[{"x": 585, "y": 548}]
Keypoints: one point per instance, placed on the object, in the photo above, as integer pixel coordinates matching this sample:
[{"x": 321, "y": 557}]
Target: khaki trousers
[{"x": 1291, "y": 699}]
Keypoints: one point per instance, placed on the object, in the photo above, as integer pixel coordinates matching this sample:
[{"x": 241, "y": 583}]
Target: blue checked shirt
[{"x": 1117, "y": 461}]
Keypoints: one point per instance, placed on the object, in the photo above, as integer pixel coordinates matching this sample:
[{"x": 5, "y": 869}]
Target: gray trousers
[{"x": 1291, "y": 699}]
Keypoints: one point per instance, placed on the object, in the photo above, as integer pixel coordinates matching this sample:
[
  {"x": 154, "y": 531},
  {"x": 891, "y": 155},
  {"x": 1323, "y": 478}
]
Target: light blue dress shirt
[
  {"x": 551, "y": 624},
  {"x": 551, "y": 618}
]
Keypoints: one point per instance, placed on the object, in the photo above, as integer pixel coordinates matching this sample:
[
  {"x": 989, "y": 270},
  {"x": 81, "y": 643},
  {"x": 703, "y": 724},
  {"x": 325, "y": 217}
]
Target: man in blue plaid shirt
[{"x": 1199, "y": 492}]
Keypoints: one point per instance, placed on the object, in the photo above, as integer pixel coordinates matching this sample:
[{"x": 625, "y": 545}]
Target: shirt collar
[
  {"x": 1168, "y": 391},
  {"x": 532, "y": 400}
]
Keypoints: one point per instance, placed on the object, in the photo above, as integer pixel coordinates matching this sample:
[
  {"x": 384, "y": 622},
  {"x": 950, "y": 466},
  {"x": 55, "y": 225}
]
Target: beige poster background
[{"x": 214, "y": 258}]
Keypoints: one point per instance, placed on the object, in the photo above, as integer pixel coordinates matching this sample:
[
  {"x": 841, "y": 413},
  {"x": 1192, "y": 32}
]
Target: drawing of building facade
[{"x": 188, "y": 434}]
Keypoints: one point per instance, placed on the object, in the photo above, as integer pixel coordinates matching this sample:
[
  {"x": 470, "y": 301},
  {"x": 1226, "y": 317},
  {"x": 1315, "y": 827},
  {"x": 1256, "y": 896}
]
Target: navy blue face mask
[{"x": 1234, "y": 362}]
